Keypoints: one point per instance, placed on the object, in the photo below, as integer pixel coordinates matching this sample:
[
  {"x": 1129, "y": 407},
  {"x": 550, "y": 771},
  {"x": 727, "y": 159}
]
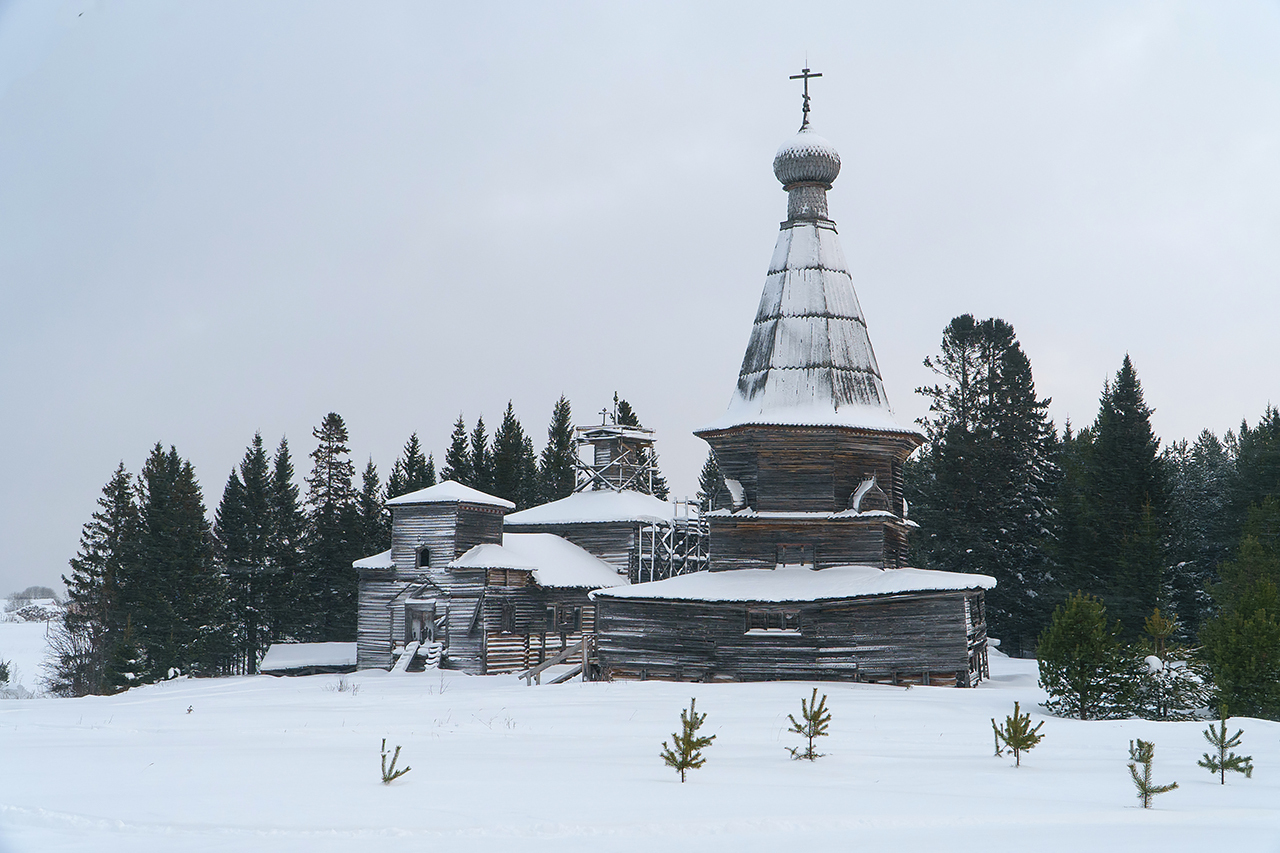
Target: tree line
[
  {"x": 1106, "y": 511},
  {"x": 156, "y": 588}
]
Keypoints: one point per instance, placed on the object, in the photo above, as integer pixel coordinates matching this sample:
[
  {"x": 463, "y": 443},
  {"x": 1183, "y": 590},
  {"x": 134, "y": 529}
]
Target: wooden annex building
[{"x": 797, "y": 572}]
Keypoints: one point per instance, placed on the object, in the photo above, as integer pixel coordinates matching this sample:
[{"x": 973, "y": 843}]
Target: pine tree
[
  {"x": 1017, "y": 733},
  {"x": 1242, "y": 642},
  {"x": 556, "y": 471},
  {"x": 481, "y": 458},
  {"x": 95, "y": 620},
  {"x": 982, "y": 488},
  {"x": 1256, "y": 474},
  {"x": 1176, "y": 684},
  {"x": 1083, "y": 667},
  {"x": 813, "y": 723},
  {"x": 1142, "y": 756},
  {"x": 457, "y": 460},
  {"x": 333, "y": 538},
  {"x": 711, "y": 488},
  {"x": 174, "y": 595},
  {"x": 1225, "y": 759},
  {"x": 284, "y": 547},
  {"x": 687, "y": 754}
]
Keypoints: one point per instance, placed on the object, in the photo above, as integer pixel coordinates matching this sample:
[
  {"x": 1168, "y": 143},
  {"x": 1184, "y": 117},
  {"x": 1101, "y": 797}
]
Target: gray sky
[{"x": 217, "y": 218}]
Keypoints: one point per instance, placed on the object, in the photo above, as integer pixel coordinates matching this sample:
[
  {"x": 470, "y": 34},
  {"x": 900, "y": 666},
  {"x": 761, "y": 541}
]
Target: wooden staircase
[{"x": 582, "y": 650}]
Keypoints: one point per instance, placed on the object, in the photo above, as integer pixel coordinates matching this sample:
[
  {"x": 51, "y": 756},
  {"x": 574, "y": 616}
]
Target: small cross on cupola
[{"x": 805, "y": 74}]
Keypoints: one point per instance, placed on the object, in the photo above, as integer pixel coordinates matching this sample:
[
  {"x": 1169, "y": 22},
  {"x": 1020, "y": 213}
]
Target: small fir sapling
[
  {"x": 687, "y": 754},
  {"x": 1143, "y": 754},
  {"x": 390, "y": 773},
  {"x": 813, "y": 722},
  {"x": 1225, "y": 759},
  {"x": 1017, "y": 734}
]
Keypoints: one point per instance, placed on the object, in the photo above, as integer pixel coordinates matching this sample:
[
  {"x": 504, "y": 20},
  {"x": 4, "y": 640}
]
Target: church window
[
  {"x": 773, "y": 621},
  {"x": 507, "y": 624},
  {"x": 563, "y": 617},
  {"x": 424, "y": 558},
  {"x": 795, "y": 555}
]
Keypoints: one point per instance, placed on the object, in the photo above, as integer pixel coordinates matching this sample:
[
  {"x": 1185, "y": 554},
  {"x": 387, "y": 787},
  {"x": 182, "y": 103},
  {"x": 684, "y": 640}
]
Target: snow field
[{"x": 268, "y": 764}]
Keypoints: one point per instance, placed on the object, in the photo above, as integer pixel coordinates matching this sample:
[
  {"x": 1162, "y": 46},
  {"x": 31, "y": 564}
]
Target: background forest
[{"x": 1104, "y": 509}]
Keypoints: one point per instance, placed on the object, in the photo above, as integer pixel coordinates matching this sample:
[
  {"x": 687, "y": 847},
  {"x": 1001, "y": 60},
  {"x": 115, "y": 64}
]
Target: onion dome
[{"x": 806, "y": 158}]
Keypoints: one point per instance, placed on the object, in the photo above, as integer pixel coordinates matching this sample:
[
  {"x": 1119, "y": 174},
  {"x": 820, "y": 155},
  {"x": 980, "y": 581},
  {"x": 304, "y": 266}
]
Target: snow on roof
[
  {"x": 554, "y": 562},
  {"x": 809, "y": 361},
  {"x": 799, "y": 584},
  {"x": 300, "y": 655},
  {"x": 450, "y": 491},
  {"x": 598, "y": 506},
  {"x": 377, "y": 561}
]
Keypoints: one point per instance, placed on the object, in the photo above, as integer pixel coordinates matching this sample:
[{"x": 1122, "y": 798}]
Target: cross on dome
[{"x": 805, "y": 74}]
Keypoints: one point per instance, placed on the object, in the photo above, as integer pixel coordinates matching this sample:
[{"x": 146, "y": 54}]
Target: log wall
[{"x": 893, "y": 639}]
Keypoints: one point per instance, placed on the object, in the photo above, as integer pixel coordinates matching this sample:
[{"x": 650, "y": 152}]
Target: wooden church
[
  {"x": 799, "y": 570},
  {"x": 807, "y": 575}
]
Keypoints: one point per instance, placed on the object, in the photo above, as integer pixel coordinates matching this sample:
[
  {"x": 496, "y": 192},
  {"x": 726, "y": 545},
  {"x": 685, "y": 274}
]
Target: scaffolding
[{"x": 619, "y": 457}]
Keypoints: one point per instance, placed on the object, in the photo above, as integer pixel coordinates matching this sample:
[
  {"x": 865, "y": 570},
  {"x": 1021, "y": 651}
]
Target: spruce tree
[
  {"x": 457, "y": 460},
  {"x": 508, "y": 459},
  {"x": 1126, "y": 503},
  {"x": 556, "y": 471},
  {"x": 174, "y": 595},
  {"x": 242, "y": 534},
  {"x": 711, "y": 488},
  {"x": 375, "y": 526},
  {"x": 1203, "y": 531},
  {"x": 410, "y": 472},
  {"x": 333, "y": 538},
  {"x": 481, "y": 458},
  {"x": 284, "y": 547},
  {"x": 1256, "y": 474},
  {"x": 983, "y": 486},
  {"x": 94, "y": 620},
  {"x": 530, "y": 482},
  {"x": 429, "y": 477},
  {"x": 656, "y": 484},
  {"x": 1242, "y": 642}
]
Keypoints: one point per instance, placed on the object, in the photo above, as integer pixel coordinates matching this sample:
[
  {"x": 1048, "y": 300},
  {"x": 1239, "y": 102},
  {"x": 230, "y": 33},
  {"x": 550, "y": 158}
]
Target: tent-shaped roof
[
  {"x": 603, "y": 505},
  {"x": 554, "y": 562},
  {"x": 450, "y": 491},
  {"x": 799, "y": 584},
  {"x": 809, "y": 361}
]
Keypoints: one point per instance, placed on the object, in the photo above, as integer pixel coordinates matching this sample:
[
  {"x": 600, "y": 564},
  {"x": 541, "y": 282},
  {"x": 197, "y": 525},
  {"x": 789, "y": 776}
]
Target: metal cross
[{"x": 805, "y": 75}]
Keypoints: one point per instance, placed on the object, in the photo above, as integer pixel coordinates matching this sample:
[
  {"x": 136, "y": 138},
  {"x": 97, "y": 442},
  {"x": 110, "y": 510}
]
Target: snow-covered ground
[
  {"x": 24, "y": 646},
  {"x": 267, "y": 764}
]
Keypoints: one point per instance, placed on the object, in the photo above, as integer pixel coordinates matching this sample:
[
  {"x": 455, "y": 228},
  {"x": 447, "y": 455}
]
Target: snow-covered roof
[
  {"x": 799, "y": 584},
  {"x": 281, "y": 656},
  {"x": 598, "y": 506},
  {"x": 809, "y": 361},
  {"x": 554, "y": 562},
  {"x": 377, "y": 561},
  {"x": 450, "y": 491}
]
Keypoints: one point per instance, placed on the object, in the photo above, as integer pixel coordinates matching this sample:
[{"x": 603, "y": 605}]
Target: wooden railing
[{"x": 583, "y": 648}]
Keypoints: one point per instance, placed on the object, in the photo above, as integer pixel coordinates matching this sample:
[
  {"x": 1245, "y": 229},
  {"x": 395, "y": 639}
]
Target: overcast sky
[{"x": 218, "y": 218}]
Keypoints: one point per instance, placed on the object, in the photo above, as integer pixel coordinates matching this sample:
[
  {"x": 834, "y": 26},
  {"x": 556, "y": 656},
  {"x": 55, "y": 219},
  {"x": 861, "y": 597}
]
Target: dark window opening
[
  {"x": 508, "y": 621},
  {"x": 424, "y": 558},
  {"x": 563, "y": 617},
  {"x": 795, "y": 555},
  {"x": 773, "y": 620}
]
